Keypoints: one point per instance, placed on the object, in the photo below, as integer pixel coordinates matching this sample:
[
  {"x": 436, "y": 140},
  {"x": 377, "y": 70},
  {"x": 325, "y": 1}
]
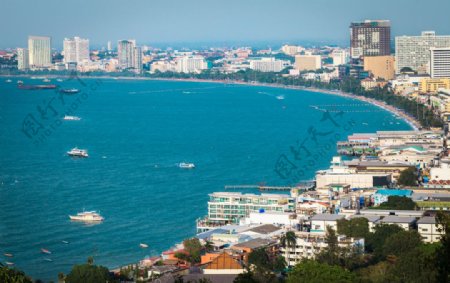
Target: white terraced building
[
  {"x": 229, "y": 207},
  {"x": 308, "y": 245}
]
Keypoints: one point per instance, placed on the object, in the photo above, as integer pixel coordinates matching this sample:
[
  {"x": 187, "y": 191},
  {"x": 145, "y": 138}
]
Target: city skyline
[{"x": 218, "y": 22}]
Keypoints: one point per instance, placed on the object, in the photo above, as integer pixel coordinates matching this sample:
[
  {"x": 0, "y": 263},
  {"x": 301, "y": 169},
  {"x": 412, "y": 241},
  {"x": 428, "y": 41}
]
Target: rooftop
[
  {"x": 370, "y": 218},
  {"x": 254, "y": 243},
  {"x": 327, "y": 217},
  {"x": 427, "y": 220},
  {"x": 397, "y": 219},
  {"x": 264, "y": 229},
  {"x": 405, "y": 193}
]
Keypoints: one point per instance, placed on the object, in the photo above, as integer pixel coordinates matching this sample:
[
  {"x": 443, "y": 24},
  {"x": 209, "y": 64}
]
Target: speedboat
[
  {"x": 144, "y": 246},
  {"x": 185, "y": 165},
  {"x": 8, "y": 81},
  {"x": 70, "y": 91},
  {"x": 65, "y": 242},
  {"x": 76, "y": 152},
  {"x": 45, "y": 251},
  {"x": 280, "y": 97},
  {"x": 87, "y": 216},
  {"x": 71, "y": 118}
]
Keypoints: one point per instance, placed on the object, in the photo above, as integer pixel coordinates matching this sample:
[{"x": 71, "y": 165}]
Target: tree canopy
[
  {"x": 398, "y": 203},
  {"x": 408, "y": 177},
  {"x": 89, "y": 273},
  {"x": 314, "y": 272}
]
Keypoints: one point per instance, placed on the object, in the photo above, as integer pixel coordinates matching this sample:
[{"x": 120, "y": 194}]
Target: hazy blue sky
[{"x": 169, "y": 21}]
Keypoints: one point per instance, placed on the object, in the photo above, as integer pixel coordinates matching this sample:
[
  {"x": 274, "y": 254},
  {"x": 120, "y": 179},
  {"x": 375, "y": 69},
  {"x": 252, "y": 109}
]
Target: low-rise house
[
  {"x": 320, "y": 222},
  {"x": 406, "y": 223},
  {"x": 428, "y": 230},
  {"x": 225, "y": 263}
]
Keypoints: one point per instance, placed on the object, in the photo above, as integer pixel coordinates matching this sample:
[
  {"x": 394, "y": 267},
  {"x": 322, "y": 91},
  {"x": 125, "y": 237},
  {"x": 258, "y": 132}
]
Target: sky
[{"x": 224, "y": 22}]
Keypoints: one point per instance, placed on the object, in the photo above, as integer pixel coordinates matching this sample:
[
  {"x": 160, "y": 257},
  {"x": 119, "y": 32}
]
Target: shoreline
[{"x": 412, "y": 122}]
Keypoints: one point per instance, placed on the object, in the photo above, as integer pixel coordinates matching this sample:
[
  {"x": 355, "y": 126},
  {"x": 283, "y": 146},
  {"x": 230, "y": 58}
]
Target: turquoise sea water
[{"x": 136, "y": 132}]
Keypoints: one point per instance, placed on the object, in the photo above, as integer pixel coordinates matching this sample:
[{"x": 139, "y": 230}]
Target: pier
[{"x": 304, "y": 185}]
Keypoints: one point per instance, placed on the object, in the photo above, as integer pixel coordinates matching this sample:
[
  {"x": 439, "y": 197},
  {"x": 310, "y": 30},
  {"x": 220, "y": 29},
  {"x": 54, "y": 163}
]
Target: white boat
[
  {"x": 76, "y": 152},
  {"x": 185, "y": 165},
  {"x": 65, "y": 242},
  {"x": 71, "y": 118},
  {"x": 45, "y": 251},
  {"x": 20, "y": 82},
  {"x": 59, "y": 80},
  {"x": 280, "y": 97},
  {"x": 87, "y": 216},
  {"x": 48, "y": 259},
  {"x": 144, "y": 246},
  {"x": 9, "y": 263},
  {"x": 8, "y": 254},
  {"x": 8, "y": 81},
  {"x": 46, "y": 80}
]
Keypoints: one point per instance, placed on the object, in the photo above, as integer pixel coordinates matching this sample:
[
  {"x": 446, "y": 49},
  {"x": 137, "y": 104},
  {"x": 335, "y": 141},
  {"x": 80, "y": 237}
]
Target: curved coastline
[{"x": 411, "y": 121}]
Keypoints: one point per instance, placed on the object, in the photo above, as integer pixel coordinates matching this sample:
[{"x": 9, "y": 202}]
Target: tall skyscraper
[
  {"x": 39, "y": 50},
  {"x": 125, "y": 52},
  {"x": 414, "y": 51},
  {"x": 370, "y": 38},
  {"x": 109, "y": 46},
  {"x": 440, "y": 62},
  {"x": 76, "y": 50},
  {"x": 22, "y": 59},
  {"x": 137, "y": 60}
]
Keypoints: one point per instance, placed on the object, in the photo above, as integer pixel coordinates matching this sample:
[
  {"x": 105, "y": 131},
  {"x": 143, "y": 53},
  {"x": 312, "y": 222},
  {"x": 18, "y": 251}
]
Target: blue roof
[{"x": 405, "y": 193}]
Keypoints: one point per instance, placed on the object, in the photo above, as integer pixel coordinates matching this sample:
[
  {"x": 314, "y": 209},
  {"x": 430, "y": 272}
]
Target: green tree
[
  {"x": 12, "y": 275},
  {"x": 192, "y": 251},
  {"x": 262, "y": 266},
  {"x": 443, "y": 252},
  {"x": 401, "y": 243},
  {"x": 408, "y": 177},
  {"x": 288, "y": 241},
  {"x": 355, "y": 227},
  {"x": 375, "y": 241},
  {"x": 89, "y": 273},
  {"x": 314, "y": 272},
  {"x": 330, "y": 255},
  {"x": 398, "y": 203}
]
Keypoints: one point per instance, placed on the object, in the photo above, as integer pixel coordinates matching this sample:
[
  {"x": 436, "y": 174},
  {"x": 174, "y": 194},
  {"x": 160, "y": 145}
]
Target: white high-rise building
[
  {"x": 414, "y": 51},
  {"x": 440, "y": 62},
  {"x": 137, "y": 60},
  {"x": 76, "y": 50},
  {"x": 22, "y": 59},
  {"x": 125, "y": 53},
  {"x": 109, "y": 46},
  {"x": 340, "y": 57},
  {"x": 292, "y": 49},
  {"x": 39, "y": 51},
  {"x": 191, "y": 64},
  {"x": 268, "y": 65}
]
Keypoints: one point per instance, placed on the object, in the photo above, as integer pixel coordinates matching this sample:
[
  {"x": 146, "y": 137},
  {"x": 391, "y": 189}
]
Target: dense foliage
[
  {"x": 408, "y": 177},
  {"x": 398, "y": 203}
]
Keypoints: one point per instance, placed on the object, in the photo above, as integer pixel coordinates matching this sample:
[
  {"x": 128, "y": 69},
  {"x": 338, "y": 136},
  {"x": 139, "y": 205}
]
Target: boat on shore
[
  {"x": 87, "y": 216},
  {"x": 45, "y": 251},
  {"x": 70, "y": 91},
  {"x": 76, "y": 152},
  {"x": 186, "y": 165},
  {"x": 71, "y": 118}
]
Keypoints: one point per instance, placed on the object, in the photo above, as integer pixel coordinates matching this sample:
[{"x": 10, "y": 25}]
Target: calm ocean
[{"x": 136, "y": 132}]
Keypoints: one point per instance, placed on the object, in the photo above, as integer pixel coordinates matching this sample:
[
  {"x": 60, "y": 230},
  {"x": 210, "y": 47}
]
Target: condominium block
[
  {"x": 39, "y": 51},
  {"x": 440, "y": 62},
  {"x": 370, "y": 38},
  {"x": 380, "y": 66},
  {"x": 76, "y": 50},
  {"x": 22, "y": 59},
  {"x": 414, "y": 51},
  {"x": 307, "y": 62},
  {"x": 268, "y": 65}
]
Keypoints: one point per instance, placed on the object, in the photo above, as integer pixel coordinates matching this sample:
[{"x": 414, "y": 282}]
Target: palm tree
[{"x": 288, "y": 241}]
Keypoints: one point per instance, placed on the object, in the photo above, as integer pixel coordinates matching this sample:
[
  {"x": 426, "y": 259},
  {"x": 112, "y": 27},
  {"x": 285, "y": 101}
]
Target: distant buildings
[
  {"x": 109, "y": 46},
  {"x": 307, "y": 62},
  {"x": 414, "y": 51},
  {"x": 340, "y": 57},
  {"x": 380, "y": 66},
  {"x": 76, "y": 50},
  {"x": 22, "y": 59},
  {"x": 440, "y": 62},
  {"x": 39, "y": 48},
  {"x": 291, "y": 50},
  {"x": 129, "y": 56},
  {"x": 429, "y": 85},
  {"x": 268, "y": 64},
  {"x": 191, "y": 64},
  {"x": 370, "y": 38}
]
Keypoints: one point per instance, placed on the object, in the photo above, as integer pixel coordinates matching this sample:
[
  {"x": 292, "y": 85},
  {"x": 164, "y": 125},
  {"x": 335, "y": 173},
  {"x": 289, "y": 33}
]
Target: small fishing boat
[
  {"x": 9, "y": 263},
  {"x": 65, "y": 242},
  {"x": 144, "y": 246},
  {"x": 185, "y": 165},
  {"x": 45, "y": 251},
  {"x": 48, "y": 259},
  {"x": 8, "y": 254}
]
